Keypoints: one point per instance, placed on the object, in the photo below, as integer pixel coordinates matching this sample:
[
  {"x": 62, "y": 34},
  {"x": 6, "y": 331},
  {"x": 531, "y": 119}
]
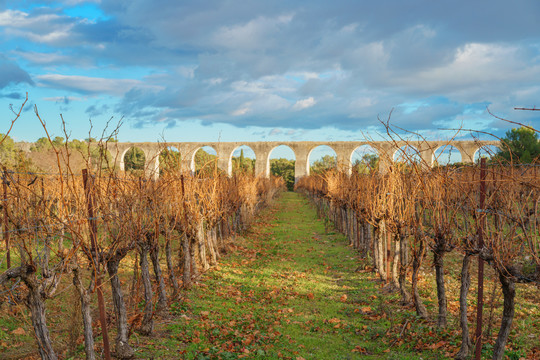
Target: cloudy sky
[{"x": 236, "y": 70}]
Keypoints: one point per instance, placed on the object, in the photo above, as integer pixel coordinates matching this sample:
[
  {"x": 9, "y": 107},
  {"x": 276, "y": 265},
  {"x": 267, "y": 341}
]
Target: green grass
[{"x": 287, "y": 290}]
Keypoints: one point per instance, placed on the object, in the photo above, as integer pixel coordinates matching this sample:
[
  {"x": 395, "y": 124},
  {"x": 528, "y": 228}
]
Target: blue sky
[{"x": 268, "y": 70}]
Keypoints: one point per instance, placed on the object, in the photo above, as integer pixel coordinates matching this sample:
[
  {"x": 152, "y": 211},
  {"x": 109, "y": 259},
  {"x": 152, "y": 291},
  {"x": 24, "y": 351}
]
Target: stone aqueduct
[{"x": 302, "y": 149}]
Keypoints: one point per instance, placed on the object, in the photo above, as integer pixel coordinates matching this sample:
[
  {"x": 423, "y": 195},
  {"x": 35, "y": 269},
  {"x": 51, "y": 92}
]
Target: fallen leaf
[
  {"x": 19, "y": 331},
  {"x": 310, "y": 296},
  {"x": 359, "y": 349},
  {"x": 343, "y": 298},
  {"x": 438, "y": 345}
]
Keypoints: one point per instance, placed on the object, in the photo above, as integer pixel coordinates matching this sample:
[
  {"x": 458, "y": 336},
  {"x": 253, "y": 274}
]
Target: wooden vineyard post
[
  {"x": 6, "y": 224},
  {"x": 388, "y": 254},
  {"x": 480, "y": 301},
  {"x": 90, "y": 201}
]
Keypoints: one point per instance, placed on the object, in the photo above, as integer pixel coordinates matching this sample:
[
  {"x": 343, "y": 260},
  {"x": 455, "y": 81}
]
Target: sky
[{"x": 275, "y": 70}]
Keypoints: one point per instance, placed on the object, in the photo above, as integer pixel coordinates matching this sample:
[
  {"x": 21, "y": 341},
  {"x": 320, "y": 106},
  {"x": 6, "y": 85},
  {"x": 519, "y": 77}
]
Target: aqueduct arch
[
  {"x": 266, "y": 164},
  {"x": 192, "y": 156},
  {"x": 487, "y": 148},
  {"x": 366, "y": 149},
  {"x": 231, "y": 156},
  {"x": 324, "y": 148},
  {"x": 301, "y": 149},
  {"x": 441, "y": 156}
]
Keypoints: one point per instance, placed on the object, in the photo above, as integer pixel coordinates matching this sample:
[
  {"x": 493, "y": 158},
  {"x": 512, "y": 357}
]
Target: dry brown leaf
[{"x": 19, "y": 331}]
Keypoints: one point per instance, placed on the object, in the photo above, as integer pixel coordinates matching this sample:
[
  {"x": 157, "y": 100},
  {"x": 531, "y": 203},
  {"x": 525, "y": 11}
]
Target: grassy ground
[{"x": 287, "y": 289}]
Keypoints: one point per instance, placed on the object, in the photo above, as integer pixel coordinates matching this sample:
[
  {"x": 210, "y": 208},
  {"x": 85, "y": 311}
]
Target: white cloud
[
  {"x": 186, "y": 71},
  {"x": 44, "y": 58},
  {"x": 350, "y": 28},
  {"x": 215, "y": 81},
  {"x": 241, "y": 111},
  {"x": 52, "y": 37},
  {"x": 477, "y": 70},
  {"x": 77, "y": 2},
  {"x": 255, "y": 34},
  {"x": 93, "y": 85},
  {"x": 303, "y": 75},
  {"x": 21, "y": 19},
  {"x": 64, "y": 99},
  {"x": 265, "y": 85},
  {"x": 15, "y": 18},
  {"x": 304, "y": 103},
  {"x": 42, "y": 28}
]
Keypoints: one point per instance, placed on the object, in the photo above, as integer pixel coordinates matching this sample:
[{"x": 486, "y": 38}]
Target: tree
[
  {"x": 41, "y": 144},
  {"x": 520, "y": 145},
  {"x": 205, "y": 162},
  {"x": 44, "y": 144},
  {"x": 58, "y": 141},
  {"x": 367, "y": 164},
  {"x": 327, "y": 162},
  {"x": 284, "y": 168},
  {"x": 134, "y": 159},
  {"x": 7, "y": 149},
  {"x": 243, "y": 165},
  {"x": 169, "y": 160}
]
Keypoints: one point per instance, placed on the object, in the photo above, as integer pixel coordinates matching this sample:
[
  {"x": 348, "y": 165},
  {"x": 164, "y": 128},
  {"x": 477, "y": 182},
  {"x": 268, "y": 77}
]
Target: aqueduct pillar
[
  {"x": 118, "y": 151},
  {"x": 467, "y": 151},
  {"x": 426, "y": 153},
  {"x": 151, "y": 168},
  {"x": 224, "y": 154},
  {"x": 301, "y": 152},
  {"x": 262, "y": 158},
  {"x": 385, "y": 150},
  {"x": 343, "y": 155}
]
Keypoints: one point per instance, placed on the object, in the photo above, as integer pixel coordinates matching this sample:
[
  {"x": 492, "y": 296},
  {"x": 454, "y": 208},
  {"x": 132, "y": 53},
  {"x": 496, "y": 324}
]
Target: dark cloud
[
  {"x": 11, "y": 73},
  {"x": 97, "y": 110},
  {"x": 29, "y": 107},
  {"x": 12, "y": 95}
]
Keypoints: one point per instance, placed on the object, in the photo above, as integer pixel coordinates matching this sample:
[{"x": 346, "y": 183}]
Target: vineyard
[
  {"x": 112, "y": 252},
  {"x": 83, "y": 227},
  {"x": 78, "y": 230},
  {"x": 400, "y": 218}
]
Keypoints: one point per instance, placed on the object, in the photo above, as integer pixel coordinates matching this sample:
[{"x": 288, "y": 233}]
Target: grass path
[{"x": 286, "y": 290}]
